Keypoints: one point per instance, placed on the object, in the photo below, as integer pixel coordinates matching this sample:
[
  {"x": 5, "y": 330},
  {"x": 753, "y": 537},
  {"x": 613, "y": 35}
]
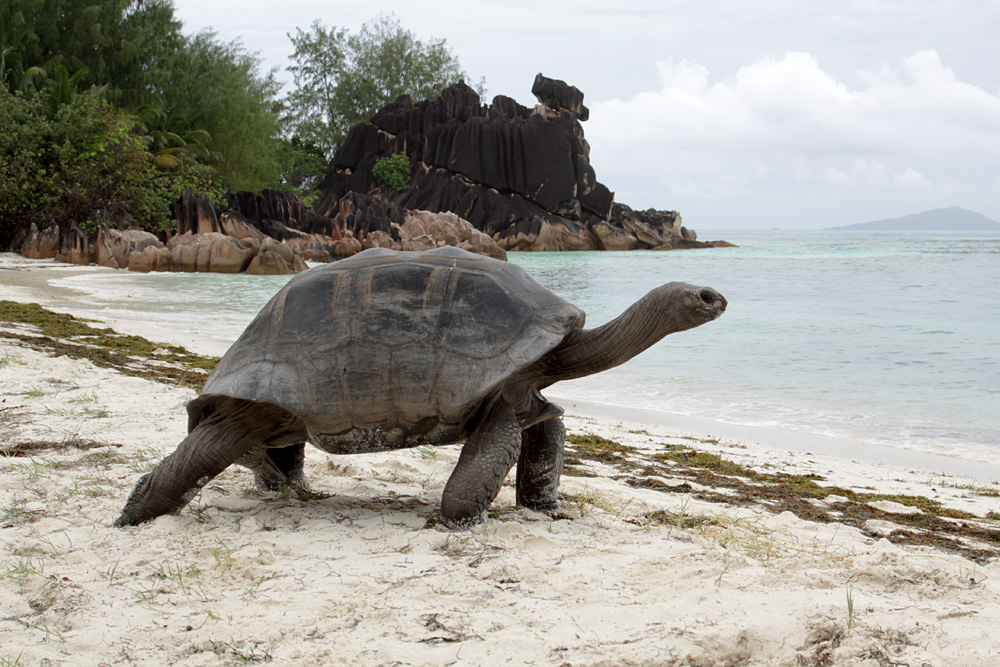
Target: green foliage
[
  {"x": 153, "y": 209},
  {"x": 83, "y": 163},
  {"x": 343, "y": 79},
  {"x": 194, "y": 96},
  {"x": 220, "y": 89},
  {"x": 108, "y": 111},
  {"x": 69, "y": 162},
  {"x": 169, "y": 136},
  {"x": 15, "y": 37},
  {"x": 22, "y": 139},
  {"x": 125, "y": 44},
  {"x": 303, "y": 164},
  {"x": 203, "y": 115},
  {"x": 393, "y": 170},
  {"x": 320, "y": 58}
]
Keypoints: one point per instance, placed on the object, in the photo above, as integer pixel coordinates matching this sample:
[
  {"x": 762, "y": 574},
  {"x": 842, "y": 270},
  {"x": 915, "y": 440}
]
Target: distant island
[{"x": 938, "y": 219}]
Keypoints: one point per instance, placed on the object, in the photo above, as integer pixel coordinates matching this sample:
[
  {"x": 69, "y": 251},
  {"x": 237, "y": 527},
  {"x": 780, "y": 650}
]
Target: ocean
[{"x": 887, "y": 338}]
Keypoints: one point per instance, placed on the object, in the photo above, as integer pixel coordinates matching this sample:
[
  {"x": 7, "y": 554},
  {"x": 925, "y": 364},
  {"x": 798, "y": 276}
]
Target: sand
[{"x": 366, "y": 576}]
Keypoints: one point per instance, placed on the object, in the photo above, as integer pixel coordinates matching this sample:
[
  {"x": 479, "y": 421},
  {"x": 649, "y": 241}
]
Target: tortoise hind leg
[
  {"x": 233, "y": 429},
  {"x": 282, "y": 466},
  {"x": 488, "y": 455},
  {"x": 540, "y": 465}
]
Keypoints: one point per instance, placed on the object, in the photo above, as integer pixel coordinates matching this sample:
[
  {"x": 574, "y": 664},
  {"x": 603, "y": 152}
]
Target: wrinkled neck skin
[{"x": 665, "y": 310}]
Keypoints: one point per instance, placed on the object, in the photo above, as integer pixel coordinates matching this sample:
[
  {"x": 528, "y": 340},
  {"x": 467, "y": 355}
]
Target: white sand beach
[{"x": 641, "y": 569}]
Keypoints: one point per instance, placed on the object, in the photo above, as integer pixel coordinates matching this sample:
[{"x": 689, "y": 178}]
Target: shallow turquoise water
[{"x": 888, "y": 338}]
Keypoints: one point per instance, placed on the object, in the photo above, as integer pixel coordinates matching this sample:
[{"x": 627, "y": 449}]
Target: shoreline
[
  {"x": 27, "y": 281},
  {"x": 782, "y": 440},
  {"x": 672, "y": 546},
  {"x": 30, "y": 282}
]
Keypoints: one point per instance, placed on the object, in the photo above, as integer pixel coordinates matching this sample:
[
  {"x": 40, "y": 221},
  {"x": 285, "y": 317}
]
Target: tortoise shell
[{"x": 391, "y": 349}]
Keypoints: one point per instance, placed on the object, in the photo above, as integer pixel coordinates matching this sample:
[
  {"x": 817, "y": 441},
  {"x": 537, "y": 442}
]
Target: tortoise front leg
[
  {"x": 488, "y": 455},
  {"x": 540, "y": 465},
  {"x": 233, "y": 429}
]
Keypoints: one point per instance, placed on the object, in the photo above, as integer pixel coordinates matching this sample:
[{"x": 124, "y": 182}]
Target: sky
[{"x": 790, "y": 114}]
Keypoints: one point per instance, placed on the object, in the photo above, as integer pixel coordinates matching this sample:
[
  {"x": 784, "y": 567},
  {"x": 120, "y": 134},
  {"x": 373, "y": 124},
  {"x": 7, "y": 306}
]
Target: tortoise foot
[
  {"x": 289, "y": 486},
  {"x": 463, "y": 523}
]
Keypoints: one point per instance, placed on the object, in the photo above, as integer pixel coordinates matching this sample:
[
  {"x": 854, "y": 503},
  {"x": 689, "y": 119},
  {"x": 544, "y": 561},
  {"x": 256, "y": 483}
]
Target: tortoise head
[
  {"x": 677, "y": 307},
  {"x": 665, "y": 310}
]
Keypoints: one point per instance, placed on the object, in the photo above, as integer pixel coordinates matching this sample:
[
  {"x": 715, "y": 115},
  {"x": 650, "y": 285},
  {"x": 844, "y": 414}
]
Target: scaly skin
[
  {"x": 230, "y": 433},
  {"x": 488, "y": 455},
  {"x": 540, "y": 465}
]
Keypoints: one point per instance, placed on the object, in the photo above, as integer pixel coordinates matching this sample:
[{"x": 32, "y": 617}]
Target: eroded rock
[
  {"x": 114, "y": 247},
  {"x": 41, "y": 243}
]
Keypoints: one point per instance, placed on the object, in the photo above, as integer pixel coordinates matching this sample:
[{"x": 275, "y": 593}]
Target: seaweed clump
[
  {"x": 59, "y": 334},
  {"x": 710, "y": 477}
]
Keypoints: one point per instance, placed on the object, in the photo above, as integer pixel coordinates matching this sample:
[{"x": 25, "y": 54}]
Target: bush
[
  {"x": 22, "y": 139},
  {"x": 71, "y": 163},
  {"x": 393, "y": 170},
  {"x": 83, "y": 162}
]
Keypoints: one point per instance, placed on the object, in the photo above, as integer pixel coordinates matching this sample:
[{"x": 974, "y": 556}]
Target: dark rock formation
[
  {"x": 560, "y": 96},
  {"x": 522, "y": 176},
  {"x": 506, "y": 169}
]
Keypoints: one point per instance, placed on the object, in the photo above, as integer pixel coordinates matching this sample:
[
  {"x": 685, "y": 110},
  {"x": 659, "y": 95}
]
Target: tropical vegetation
[{"x": 109, "y": 123}]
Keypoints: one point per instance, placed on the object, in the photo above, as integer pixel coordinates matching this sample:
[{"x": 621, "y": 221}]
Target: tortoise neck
[{"x": 585, "y": 352}]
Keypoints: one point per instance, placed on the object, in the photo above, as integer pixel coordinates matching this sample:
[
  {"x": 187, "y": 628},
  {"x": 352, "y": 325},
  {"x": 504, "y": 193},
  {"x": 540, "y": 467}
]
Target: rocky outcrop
[
  {"x": 41, "y": 243},
  {"x": 560, "y": 96},
  {"x": 195, "y": 214},
  {"x": 610, "y": 237},
  {"x": 523, "y": 176},
  {"x": 488, "y": 178},
  {"x": 275, "y": 259},
  {"x": 113, "y": 247},
  {"x": 74, "y": 247},
  {"x": 217, "y": 253},
  {"x": 650, "y": 228},
  {"x": 338, "y": 227},
  {"x": 423, "y": 230}
]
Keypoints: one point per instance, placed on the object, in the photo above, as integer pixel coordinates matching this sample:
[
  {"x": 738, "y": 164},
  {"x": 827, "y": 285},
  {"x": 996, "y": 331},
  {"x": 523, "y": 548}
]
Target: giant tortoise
[{"x": 386, "y": 350}]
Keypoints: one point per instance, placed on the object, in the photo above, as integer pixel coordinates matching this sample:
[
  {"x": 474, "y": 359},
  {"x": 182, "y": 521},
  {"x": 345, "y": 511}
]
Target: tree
[
  {"x": 125, "y": 44},
  {"x": 342, "y": 79},
  {"x": 68, "y": 164},
  {"x": 15, "y": 39},
  {"x": 220, "y": 89},
  {"x": 212, "y": 102},
  {"x": 303, "y": 163},
  {"x": 320, "y": 60}
]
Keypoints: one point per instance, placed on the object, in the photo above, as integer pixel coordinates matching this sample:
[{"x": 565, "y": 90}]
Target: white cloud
[
  {"x": 911, "y": 178},
  {"x": 786, "y": 127}
]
